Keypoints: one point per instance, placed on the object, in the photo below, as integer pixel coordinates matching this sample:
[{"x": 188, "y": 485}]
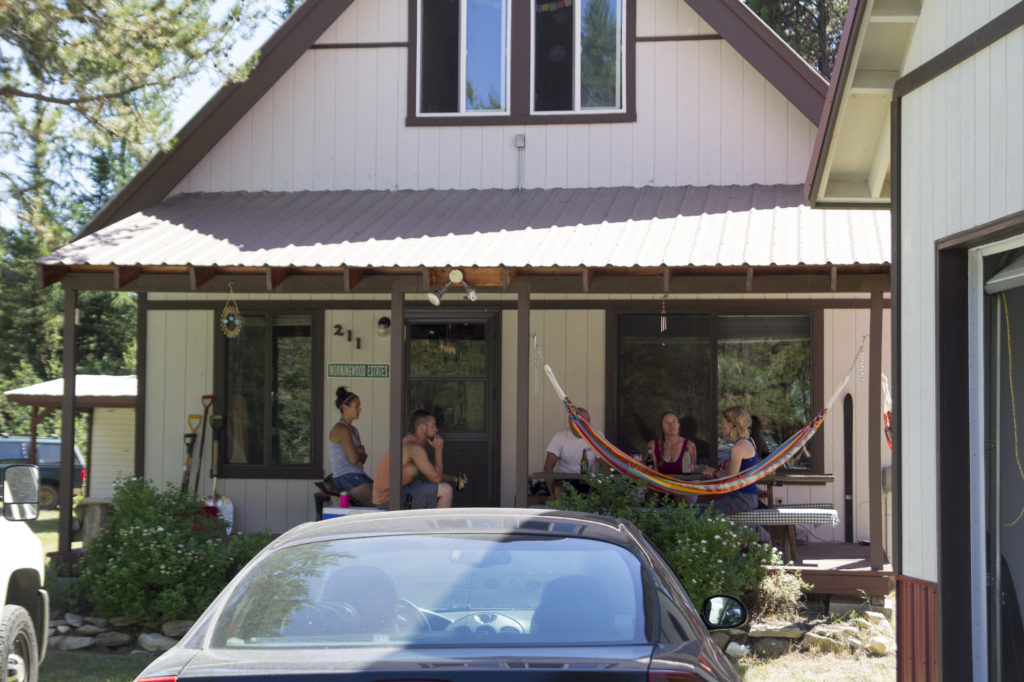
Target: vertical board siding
[
  {"x": 112, "y": 452},
  {"x": 336, "y": 120},
  {"x": 962, "y": 166}
]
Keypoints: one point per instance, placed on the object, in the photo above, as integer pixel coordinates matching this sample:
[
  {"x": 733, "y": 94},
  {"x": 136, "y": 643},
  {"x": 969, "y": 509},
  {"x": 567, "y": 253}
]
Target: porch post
[
  {"x": 875, "y": 432},
  {"x": 522, "y": 498},
  {"x": 395, "y": 426},
  {"x": 67, "y": 422}
]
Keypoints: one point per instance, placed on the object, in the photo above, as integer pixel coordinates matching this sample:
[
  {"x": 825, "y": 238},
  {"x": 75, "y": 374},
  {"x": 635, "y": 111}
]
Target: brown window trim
[
  {"x": 520, "y": 65},
  {"x": 311, "y": 471}
]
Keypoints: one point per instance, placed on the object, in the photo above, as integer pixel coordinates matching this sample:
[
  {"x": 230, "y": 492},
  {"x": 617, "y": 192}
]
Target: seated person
[
  {"x": 565, "y": 455},
  {"x": 671, "y": 453},
  {"x": 424, "y": 483},
  {"x": 347, "y": 451}
]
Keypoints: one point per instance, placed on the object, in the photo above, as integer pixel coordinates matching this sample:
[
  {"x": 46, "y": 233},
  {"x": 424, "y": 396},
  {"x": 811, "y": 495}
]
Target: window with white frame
[
  {"x": 519, "y": 62},
  {"x": 463, "y": 48},
  {"x": 577, "y": 55}
]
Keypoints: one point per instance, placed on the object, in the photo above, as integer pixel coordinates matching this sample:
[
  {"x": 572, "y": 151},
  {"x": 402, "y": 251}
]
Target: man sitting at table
[{"x": 565, "y": 455}]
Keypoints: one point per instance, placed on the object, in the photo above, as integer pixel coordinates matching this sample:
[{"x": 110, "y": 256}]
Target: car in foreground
[{"x": 456, "y": 594}]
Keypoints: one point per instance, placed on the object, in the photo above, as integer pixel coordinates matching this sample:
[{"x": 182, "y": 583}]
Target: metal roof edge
[
  {"x": 199, "y": 135},
  {"x": 830, "y": 111},
  {"x": 767, "y": 52}
]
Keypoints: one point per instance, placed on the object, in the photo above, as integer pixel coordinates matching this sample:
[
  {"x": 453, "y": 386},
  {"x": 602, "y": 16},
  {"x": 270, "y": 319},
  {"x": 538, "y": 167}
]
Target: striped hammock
[{"x": 623, "y": 463}]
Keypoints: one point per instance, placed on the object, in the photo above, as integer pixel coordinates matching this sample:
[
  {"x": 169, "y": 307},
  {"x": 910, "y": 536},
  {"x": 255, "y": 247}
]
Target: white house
[
  {"x": 586, "y": 166},
  {"x": 924, "y": 116}
]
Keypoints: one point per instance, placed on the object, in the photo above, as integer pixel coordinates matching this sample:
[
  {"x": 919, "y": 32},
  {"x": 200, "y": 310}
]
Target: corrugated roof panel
[{"x": 620, "y": 227}]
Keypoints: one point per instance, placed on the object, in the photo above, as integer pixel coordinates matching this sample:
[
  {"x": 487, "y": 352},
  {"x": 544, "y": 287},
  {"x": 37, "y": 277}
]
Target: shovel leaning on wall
[{"x": 221, "y": 503}]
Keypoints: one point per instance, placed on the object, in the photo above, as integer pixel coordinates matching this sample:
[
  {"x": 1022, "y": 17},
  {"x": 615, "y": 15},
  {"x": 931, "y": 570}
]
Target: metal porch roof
[{"x": 548, "y": 229}]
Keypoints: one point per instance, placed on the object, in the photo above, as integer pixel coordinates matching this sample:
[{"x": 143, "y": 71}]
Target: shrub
[
  {"x": 159, "y": 556},
  {"x": 709, "y": 553},
  {"x": 780, "y": 595}
]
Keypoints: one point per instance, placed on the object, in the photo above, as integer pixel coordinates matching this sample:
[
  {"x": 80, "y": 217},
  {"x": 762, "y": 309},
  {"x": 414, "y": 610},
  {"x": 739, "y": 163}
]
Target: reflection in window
[
  {"x": 577, "y": 57},
  {"x": 269, "y": 388},
  {"x": 448, "y": 373},
  {"x": 659, "y": 371},
  {"x": 463, "y": 56},
  {"x": 764, "y": 364}
]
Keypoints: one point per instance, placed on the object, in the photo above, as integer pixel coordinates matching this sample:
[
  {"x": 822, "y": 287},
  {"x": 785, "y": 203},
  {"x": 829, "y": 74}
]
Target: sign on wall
[{"x": 358, "y": 370}]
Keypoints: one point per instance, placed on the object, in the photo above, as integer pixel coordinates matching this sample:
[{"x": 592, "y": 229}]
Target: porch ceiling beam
[
  {"x": 199, "y": 275},
  {"x": 588, "y": 279},
  {"x": 353, "y": 276},
  {"x": 880, "y": 161},
  {"x": 47, "y": 275},
  {"x": 276, "y": 277},
  {"x": 666, "y": 279},
  {"x": 750, "y": 278},
  {"x": 125, "y": 275},
  {"x": 508, "y": 275},
  {"x": 833, "y": 273}
]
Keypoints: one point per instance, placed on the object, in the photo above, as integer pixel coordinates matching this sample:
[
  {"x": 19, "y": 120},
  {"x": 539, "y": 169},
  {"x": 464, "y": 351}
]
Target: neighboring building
[
  {"x": 925, "y": 116},
  {"x": 581, "y": 193},
  {"x": 109, "y": 404}
]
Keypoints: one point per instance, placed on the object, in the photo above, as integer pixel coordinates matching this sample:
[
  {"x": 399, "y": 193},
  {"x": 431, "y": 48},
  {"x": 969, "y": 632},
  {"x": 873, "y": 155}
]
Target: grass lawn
[
  {"x": 46, "y": 528},
  {"x": 811, "y": 667},
  {"x": 87, "y": 666}
]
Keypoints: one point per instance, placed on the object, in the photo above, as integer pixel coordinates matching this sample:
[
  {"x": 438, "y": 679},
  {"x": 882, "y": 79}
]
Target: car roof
[{"x": 551, "y": 522}]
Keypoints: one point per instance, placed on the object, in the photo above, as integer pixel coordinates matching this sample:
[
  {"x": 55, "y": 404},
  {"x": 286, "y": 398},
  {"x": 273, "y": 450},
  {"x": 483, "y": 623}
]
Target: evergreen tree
[{"x": 811, "y": 27}]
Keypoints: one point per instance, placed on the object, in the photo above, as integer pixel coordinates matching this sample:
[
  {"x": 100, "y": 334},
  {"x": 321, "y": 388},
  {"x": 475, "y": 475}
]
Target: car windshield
[{"x": 437, "y": 590}]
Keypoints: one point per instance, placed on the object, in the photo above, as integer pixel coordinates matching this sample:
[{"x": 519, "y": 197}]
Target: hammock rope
[{"x": 625, "y": 464}]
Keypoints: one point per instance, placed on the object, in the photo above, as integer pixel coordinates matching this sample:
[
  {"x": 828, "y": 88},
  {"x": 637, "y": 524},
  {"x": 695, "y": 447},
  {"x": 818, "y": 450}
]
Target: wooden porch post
[
  {"x": 522, "y": 498},
  {"x": 67, "y": 419},
  {"x": 875, "y": 432},
  {"x": 395, "y": 426}
]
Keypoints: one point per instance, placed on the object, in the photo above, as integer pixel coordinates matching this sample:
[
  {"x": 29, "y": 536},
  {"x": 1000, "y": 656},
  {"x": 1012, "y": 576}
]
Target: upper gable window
[
  {"x": 577, "y": 55},
  {"x": 463, "y": 56},
  {"x": 506, "y": 62}
]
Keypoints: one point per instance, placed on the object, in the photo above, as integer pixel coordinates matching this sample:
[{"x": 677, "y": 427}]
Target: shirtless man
[{"x": 424, "y": 483}]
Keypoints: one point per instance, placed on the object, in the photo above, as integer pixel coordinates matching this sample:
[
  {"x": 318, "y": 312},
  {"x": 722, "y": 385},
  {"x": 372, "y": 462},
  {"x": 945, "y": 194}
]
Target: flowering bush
[
  {"x": 159, "y": 555},
  {"x": 709, "y": 553}
]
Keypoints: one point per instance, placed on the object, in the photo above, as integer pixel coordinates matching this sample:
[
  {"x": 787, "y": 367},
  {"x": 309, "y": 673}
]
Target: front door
[{"x": 452, "y": 363}]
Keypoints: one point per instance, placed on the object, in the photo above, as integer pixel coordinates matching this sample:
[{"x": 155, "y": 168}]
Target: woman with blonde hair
[{"x": 736, "y": 423}]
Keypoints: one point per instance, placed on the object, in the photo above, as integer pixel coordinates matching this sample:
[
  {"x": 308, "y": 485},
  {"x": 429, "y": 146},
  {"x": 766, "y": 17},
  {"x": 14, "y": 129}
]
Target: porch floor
[{"x": 839, "y": 568}]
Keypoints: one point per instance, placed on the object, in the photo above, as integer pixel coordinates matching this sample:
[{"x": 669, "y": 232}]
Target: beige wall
[
  {"x": 336, "y": 120},
  {"x": 112, "y": 451}
]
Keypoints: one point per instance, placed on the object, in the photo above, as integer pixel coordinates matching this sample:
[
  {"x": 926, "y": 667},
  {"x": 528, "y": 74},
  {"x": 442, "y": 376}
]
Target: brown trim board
[
  {"x": 993, "y": 231},
  {"x": 680, "y": 38},
  {"x": 357, "y": 46},
  {"x": 961, "y": 51}
]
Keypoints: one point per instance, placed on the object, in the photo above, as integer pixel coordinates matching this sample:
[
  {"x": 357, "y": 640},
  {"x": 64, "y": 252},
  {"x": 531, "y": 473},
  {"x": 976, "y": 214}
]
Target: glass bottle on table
[{"x": 584, "y": 464}]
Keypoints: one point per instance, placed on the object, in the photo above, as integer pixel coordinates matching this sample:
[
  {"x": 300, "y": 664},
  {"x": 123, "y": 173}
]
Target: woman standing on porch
[{"x": 347, "y": 452}]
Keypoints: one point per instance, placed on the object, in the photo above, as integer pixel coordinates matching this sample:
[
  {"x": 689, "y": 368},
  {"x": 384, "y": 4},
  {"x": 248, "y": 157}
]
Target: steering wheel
[
  {"x": 409, "y": 619},
  {"x": 486, "y": 624}
]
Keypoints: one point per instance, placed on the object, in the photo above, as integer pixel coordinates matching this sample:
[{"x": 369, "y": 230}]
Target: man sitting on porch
[
  {"x": 566, "y": 454},
  {"x": 424, "y": 483}
]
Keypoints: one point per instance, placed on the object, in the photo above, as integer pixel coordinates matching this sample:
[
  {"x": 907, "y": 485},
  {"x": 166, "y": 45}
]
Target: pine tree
[{"x": 811, "y": 27}]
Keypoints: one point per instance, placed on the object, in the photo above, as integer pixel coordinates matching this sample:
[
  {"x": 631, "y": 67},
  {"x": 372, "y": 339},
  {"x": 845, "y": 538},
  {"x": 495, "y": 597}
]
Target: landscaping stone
[
  {"x": 73, "y": 619},
  {"x": 787, "y": 631},
  {"x": 88, "y": 630},
  {"x": 817, "y": 642},
  {"x": 772, "y": 646},
  {"x": 876, "y": 617},
  {"x": 63, "y": 629},
  {"x": 880, "y": 646},
  {"x": 155, "y": 642},
  {"x": 112, "y": 638},
  {"x": 96, "y": 620},
  {"x": 71, "y": 643},
  {"x": 721, "y": 639},
  {"x": 736, "y": 650},
  {"x": 123, "y": 622},
  {"x": 176, "y": 628}
]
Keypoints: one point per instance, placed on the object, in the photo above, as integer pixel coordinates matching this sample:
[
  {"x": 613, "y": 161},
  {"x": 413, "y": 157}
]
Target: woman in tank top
[
  {"x": 736, "y": 422},
  {"x": 347, "y": 451},
  {"x": 670, "y": 453}
]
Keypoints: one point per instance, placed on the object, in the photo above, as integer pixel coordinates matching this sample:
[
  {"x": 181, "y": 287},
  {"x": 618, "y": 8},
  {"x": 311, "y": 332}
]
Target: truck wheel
[
  {"x": 19, "y": 650},
  {"x": 47, "y": 496}
]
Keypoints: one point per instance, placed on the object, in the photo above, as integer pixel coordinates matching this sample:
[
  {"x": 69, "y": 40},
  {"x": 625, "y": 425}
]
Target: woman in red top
[{"x": 670, "y": 453}]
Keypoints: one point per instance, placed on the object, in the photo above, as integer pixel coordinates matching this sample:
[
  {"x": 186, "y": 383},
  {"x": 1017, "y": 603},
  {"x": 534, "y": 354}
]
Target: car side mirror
[
  {"x": 21, "y": 492},
  {"x": 723, "y": 611}
]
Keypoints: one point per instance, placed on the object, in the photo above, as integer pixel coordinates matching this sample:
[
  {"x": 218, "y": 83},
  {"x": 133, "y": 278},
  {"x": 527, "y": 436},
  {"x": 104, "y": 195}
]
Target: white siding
[
  {"x": 112, "y": 451},
  {"x": 963, "y": 166},
  {"x": 336, "y": 120}
]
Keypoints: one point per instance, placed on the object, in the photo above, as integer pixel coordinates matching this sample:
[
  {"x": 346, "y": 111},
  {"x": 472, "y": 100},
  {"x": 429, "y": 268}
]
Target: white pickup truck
[{"x": 24, "y": 623}]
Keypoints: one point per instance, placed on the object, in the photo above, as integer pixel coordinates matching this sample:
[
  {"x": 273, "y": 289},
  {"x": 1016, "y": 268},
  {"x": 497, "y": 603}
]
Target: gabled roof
[
  {"x": 851, "y": 156},
  {"x": 750, "y": 36},
  {"x": 185, "y": 241}
]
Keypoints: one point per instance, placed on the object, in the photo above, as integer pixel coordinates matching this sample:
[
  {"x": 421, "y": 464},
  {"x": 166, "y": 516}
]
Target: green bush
[
  {"x": 159, "y": 556},
  {"x": 709, "y": 553}
]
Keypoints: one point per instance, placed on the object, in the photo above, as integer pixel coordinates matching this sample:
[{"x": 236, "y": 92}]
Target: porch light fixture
[
  {"x": 455, "y": 276},
  {"x": 470, "y": 292}
]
